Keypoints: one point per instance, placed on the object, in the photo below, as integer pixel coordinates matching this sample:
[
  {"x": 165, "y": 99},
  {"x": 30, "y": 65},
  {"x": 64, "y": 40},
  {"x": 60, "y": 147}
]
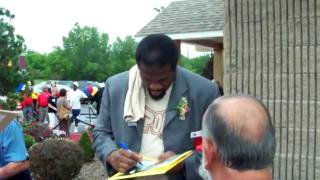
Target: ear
[{"x": 209, "y": 152}]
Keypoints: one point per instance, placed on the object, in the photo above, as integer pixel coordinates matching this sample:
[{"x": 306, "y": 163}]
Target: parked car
[
  {"x": 38, "y": 87},
  {"x": 67, "y": 84},
  {"x": 64, "y": 82},
  {"x": 83, "y": 84}
]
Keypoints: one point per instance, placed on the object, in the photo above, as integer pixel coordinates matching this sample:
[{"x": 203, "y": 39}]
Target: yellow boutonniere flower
[{"x": 183, "y": 108}]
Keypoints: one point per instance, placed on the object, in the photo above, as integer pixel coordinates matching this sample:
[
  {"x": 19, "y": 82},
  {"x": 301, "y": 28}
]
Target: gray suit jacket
[{"x": 111, "y": 126}]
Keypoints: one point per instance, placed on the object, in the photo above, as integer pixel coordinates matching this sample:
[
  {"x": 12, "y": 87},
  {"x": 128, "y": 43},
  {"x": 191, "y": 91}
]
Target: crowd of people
[
  {"x": 53, "y": 107},
  {"x": 48, "y": 106}
]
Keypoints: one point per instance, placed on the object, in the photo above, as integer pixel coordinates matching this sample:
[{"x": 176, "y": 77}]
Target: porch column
[{"x": 218, "y": 63}]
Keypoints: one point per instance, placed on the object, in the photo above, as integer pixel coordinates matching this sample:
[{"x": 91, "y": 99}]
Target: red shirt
[
  {"x": 43, "y": 99},
  {"x": 26, "y": 102}
]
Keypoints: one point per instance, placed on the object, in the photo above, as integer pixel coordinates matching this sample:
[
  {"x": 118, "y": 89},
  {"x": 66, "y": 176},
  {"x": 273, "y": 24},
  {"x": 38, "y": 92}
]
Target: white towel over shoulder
[{"x": 134, "y": 105}]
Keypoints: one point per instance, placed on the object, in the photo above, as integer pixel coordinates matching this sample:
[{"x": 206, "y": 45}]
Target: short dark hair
[
  {"x": 159, "y": 50},
  {"x": 62, "y": 92},
  {"x": 235, "y": 151}
]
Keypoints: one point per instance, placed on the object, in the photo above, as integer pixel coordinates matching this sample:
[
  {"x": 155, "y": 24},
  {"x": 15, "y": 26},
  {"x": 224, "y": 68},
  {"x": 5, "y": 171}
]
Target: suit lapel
[
  {"x": 179, "y": 89},
  {"x": 140, "y": 127}
]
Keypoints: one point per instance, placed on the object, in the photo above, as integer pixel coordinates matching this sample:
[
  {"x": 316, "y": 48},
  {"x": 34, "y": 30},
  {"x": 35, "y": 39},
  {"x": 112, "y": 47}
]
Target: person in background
[
  {"x": 74, "y": 97},
  {"x": 27, "y": 106},
  {"x": 43, "y": 101},
  {"x": 34, "y": 96},
  {"x": 29, "y": 88},
  {"x": 14, "y": 163},
  {"x": 62, "y": 101},
  {"x": 219, "y": 86},
  {"x": 54, "y": 88},
  {"x": 52, "y": 108},
  {"x": 97, "y": 98},
  {"x": 238, "y": 139}
]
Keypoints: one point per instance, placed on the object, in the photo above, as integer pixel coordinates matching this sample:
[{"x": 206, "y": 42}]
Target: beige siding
[{"x": 271, "y": 51}]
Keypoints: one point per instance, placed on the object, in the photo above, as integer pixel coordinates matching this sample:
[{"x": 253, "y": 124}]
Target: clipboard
[
  {"x": 157, "y": 168},
  {"x": 6, "y": 117}
]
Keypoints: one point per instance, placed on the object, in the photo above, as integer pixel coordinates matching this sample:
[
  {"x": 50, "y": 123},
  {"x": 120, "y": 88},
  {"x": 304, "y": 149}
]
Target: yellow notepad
[{"x": 156, "y": 168}]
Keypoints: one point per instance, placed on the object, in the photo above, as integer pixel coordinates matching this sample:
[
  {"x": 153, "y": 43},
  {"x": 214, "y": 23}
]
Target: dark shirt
[
  {"x": 97, "y": 98},
  {"x": 53, "y": 102},
  {"x": 221, "y": 91}
]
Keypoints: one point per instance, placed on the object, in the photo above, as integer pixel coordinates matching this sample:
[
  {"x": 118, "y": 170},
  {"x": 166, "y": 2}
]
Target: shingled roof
[{"x": 202, "y": 17}]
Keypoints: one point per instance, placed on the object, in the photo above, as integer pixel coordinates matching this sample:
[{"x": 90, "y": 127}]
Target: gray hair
[{"x": 233, "y": 150}]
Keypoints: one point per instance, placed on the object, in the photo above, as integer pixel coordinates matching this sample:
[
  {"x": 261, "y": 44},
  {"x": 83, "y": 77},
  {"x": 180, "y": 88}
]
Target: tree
[
  {"x": 86, "y": 52},
  {"x": 11, "y": 46},
  {"x": 37, "y": 65},
  {"x": 196, "y": 64},
  {"x": 59, "y": 66},
  {"x": 85, "y": 55},
  {"x": 123, "y": 54}
]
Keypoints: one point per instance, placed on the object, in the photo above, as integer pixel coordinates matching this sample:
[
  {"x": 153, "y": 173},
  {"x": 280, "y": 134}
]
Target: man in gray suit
[{"x": 159, "y": 122}]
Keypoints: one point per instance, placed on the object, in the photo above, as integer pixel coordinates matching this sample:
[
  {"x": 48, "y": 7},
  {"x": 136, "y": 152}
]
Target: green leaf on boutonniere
[{"x": 183, "y": 108}]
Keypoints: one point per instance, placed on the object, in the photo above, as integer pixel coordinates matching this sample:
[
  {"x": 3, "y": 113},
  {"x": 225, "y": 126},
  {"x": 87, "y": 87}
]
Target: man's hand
[
  {"x": 122, "y": 160},
  {"x": 167, "y": 155}
]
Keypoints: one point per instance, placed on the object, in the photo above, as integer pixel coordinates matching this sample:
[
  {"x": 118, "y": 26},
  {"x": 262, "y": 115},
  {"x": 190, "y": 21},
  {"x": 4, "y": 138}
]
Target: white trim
[
  {"x": 190, "y": 36},
  {"x": 195, "y": 134}
]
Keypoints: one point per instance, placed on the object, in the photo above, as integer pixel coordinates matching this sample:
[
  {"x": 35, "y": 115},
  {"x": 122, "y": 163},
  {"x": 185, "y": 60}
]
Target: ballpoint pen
[{"x": 125, "y": 147}]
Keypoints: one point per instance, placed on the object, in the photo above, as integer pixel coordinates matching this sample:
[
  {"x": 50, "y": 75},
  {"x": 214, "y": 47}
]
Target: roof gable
[{"x": 188, "y": 16}]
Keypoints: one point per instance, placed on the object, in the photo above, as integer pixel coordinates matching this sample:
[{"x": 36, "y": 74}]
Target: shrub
[
  {"x": 86, "y": 145},
  {"x": 9, "y": 102},
  {"x": 29, "y": 140},
  {"x": 38, "y": 131},
  {"x": 57, "y": 159}
]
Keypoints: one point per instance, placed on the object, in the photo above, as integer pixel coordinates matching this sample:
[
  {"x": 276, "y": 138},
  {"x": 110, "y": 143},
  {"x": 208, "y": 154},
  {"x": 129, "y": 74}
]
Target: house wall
[
  {"x": 218, "y": 65},
  {"x": 271, "y": 51}
]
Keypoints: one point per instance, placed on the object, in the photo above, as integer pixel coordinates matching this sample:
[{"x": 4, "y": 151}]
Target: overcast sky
[{"x": 43, "y": 23}]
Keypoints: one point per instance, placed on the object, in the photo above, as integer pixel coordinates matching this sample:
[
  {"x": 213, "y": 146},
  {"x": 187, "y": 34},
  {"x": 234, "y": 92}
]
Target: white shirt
[
  {"x": 155, "y": 111},
  {"x": 74, "y": 97},
  {"x": 152, "y": 139}
]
